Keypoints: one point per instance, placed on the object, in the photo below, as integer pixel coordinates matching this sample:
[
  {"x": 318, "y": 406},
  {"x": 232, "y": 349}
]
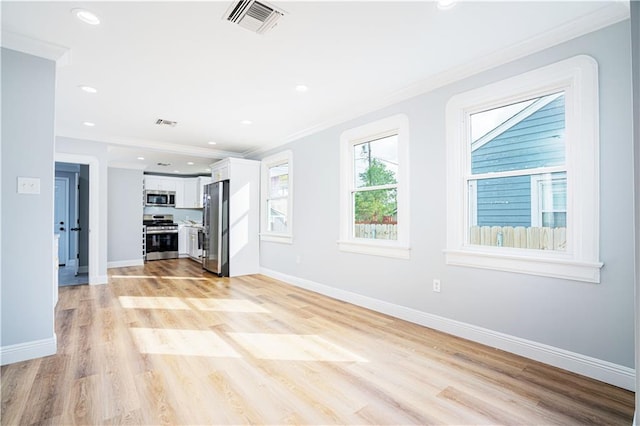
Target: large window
[
  {"x": 374, "y": 186},
  {"x": 522, "y": 173},
  {"x": 517, "y": 177},
  {"x": 277, "y": 198}
]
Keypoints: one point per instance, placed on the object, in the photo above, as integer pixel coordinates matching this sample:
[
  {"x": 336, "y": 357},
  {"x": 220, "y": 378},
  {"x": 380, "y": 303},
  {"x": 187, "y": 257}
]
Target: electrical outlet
[
  {"x": 28, "y": 185},
  {"x": 436, "y": 286}
]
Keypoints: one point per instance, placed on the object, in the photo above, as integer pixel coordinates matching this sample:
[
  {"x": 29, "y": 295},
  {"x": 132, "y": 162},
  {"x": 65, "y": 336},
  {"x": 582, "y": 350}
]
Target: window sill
[
  {"x": 374, "y": 249},
  {"x": 277, "y": 238},
  {"x": 554, "y": 267}
]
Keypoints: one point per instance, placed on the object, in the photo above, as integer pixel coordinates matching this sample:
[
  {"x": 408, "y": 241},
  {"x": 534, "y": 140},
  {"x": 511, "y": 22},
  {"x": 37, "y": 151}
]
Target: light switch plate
[{"x": 27, "y": 185}]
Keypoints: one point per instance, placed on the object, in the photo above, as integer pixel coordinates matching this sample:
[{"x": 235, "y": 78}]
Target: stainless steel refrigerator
[{"x": 215, "y": 222}]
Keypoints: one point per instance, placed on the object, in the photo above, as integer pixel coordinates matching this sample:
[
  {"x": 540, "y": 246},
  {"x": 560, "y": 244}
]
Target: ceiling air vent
[
  {"x": 253, "y": 15},
  {"x": 162, "y": 122}
]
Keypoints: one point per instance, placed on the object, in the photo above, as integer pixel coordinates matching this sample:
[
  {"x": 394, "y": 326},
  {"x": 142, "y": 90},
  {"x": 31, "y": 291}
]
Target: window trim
[
  {"x": 578, "y": 77},
  {"x": 266, "y": 163},
  {"x": 400, "y": 248},
  {"x": 536, "y": 201}
]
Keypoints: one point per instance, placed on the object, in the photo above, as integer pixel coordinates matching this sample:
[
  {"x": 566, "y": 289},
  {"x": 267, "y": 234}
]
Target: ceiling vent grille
[
  {"x": 253, "y": 15},
  {"x": 161, "y": 122}
]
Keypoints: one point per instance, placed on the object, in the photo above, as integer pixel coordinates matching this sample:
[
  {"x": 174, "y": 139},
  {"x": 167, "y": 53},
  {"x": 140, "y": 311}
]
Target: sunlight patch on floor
[
  {"x": 226, "y": 305},
  {"x": 139, "y": 302},
  {"x": 293, "y": 347},
  {"x": 182, "y": 342},
  {"x": 166, "y": 277}
]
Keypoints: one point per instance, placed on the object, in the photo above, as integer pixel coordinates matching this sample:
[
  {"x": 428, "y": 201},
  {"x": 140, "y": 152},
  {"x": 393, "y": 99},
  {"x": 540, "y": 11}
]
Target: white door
[{"x": 61, "y": 218}]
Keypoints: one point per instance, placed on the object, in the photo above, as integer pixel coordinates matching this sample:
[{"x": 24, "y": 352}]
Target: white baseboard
[
  {"x": 604, "y": 371},
  {"x": 28, "y": 350},
  {"x": 125, "y": 263},
  {"x": 98, "y": 279}
]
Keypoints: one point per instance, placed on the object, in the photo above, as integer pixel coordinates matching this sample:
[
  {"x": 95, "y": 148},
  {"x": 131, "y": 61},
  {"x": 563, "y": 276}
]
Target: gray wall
[
  {"x": 125, "y": 215},
  {"x": 596, "y": 320},
  {"x": 28, "y": 98}
]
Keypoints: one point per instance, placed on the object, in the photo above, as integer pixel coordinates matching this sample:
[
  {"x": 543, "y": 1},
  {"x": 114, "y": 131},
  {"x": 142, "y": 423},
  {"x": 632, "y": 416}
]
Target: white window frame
[
  {"x": 536, "y": 199},
  {"x": 397, "y": 124},
  {"x": 284, "y": 157},
  {"x": 578, "y": 78}
]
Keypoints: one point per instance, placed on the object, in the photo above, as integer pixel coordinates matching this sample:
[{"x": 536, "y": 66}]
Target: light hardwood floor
[{"x": 170, "y": 344}]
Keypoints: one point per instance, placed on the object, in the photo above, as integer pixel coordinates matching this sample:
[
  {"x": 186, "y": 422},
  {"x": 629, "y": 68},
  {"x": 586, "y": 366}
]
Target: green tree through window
[{"x": 376, "y": 205}]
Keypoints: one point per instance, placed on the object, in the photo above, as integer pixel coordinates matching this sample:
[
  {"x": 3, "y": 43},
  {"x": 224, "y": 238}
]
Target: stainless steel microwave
[{"x": 156, "y": 198}]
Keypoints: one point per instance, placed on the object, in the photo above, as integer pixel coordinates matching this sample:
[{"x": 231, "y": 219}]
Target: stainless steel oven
[{"x": 161, "y": 237}]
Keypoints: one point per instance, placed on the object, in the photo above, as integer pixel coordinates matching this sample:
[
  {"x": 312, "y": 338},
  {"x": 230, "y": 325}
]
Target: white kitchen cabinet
[
  {"x": 188, "y": 190},
  {"x": 202, "y": 181},
  {"x": 183, "y": 240},
  {"x": 160, "y": 183},
  {"x": 194, "y": 250},
  {"x": 193, "y": 190},
  {"x": 186, "y": 193},
  {"x": 244, "y": 212}
]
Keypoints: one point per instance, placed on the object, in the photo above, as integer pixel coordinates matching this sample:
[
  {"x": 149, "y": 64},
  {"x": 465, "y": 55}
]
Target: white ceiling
[{"x": 181, "y": 61}]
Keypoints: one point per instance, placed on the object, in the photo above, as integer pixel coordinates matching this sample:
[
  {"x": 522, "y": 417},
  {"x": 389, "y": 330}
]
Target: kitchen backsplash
[{"x": 179, "y": 215}]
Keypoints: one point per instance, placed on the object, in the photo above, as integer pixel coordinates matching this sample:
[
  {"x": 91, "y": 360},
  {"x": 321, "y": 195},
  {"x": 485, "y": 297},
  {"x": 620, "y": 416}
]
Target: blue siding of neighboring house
[
  {"x": 504, "y": 201},
  {"x": 536, "y": 141}
]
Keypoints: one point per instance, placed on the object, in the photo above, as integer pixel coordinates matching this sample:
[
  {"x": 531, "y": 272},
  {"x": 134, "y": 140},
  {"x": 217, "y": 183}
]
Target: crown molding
[
  {"x": 611, "y": 13},
  {"x": 59, "y": 54},
  {"x": 168, "y": 147}
]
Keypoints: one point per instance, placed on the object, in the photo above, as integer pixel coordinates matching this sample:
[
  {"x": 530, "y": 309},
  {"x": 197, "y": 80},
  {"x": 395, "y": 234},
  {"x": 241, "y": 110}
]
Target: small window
[
  {"x": 522, "y": 174},
  {"x": 374, "y": 188},
  {"x": 375, "y": 192},
  {"x": 277, "y": 198}
]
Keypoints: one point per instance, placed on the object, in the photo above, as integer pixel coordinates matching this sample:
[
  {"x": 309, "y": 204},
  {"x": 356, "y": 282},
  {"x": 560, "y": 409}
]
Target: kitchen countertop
[{"x": 191, "y": 224}]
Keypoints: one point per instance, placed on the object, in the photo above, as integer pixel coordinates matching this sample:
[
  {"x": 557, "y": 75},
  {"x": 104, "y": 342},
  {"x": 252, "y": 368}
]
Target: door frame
[
  {"x": 94, "y": 210},
  {"x": 76, "y": 213}
]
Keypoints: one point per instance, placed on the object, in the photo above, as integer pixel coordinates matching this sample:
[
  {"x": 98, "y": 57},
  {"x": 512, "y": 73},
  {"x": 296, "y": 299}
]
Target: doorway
[{"x": 70, "y": 222}]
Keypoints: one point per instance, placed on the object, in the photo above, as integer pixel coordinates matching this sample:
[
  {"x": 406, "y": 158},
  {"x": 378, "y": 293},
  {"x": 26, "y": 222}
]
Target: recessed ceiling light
[
  {"x": 246, "y": 122},
  {"x": 88, "y": 89},
  {"x": 302, "y": 88},
  {"x": 140, "y": 158},
  {"x": 89, "y": 124},
  {"x": 211, "y": 143},
  {"x": 86, "y": 16},
  {"x": 446, "y": 4},
  {"x": 190, "y": 163},
  {"x": 207, "y": 169},
  {"x": 176, "y": 171}
]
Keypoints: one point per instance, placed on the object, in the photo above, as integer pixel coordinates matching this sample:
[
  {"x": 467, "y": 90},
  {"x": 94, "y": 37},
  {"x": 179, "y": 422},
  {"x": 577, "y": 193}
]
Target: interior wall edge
[
  {"x": 28, "y": 350},
  {"x": 604, "y": 371}
]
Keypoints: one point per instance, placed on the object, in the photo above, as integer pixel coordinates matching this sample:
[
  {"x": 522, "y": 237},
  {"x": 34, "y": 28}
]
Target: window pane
[
  {"x": 376, "y": 162},
  {"x": 279, "y": 180},
  {"x": 554, "y": 194},
  {"x": 510, "y": 211},
  {"x": 277, "y": 215},
  {"x": 376, "y": 214},
  {"x": 519, "y": 136},
  {"x": 554, "y": 219}
]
